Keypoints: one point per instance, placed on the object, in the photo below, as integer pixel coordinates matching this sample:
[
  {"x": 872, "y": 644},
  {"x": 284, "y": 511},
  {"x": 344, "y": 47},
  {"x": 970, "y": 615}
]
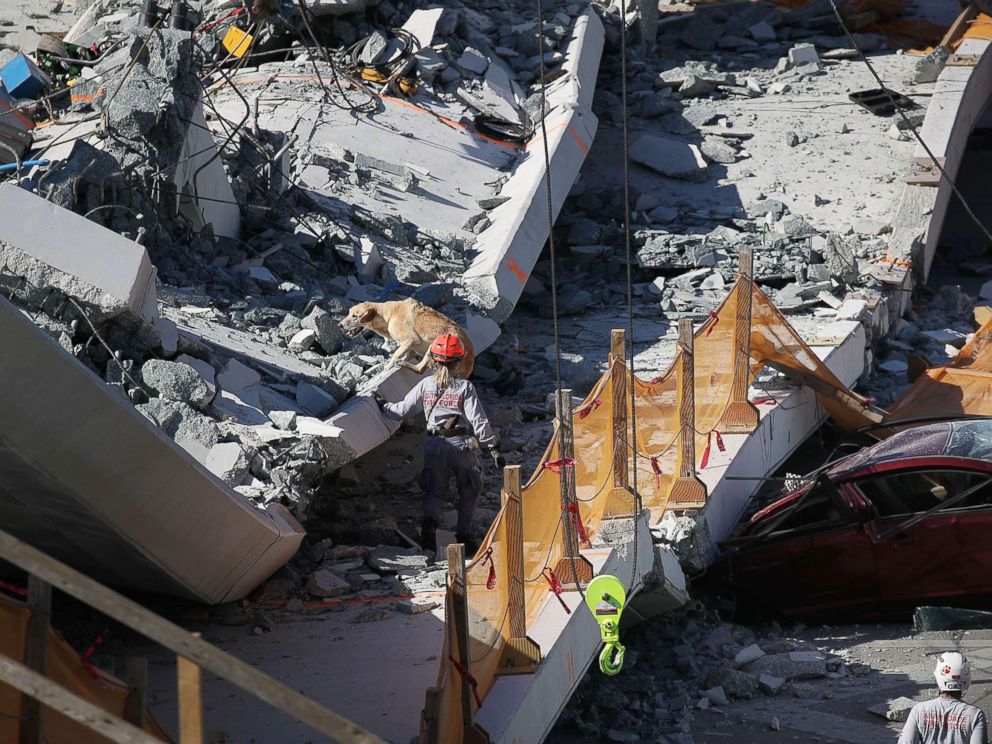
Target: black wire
[
  {"x": 566, "y": 496},
  {"x": 910, "y": 125},
  {"x": 638, "y": 506}
]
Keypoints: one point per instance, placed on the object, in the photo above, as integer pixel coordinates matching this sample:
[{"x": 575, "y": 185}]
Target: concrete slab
[
  {"x": 91, "y": 481},
  {"x": 51, "y": 246}
]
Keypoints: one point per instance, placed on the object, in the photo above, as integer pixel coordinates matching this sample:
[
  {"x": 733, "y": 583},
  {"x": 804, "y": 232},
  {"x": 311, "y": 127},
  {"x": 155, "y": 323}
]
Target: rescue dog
[{"x": 414, "y": 326}]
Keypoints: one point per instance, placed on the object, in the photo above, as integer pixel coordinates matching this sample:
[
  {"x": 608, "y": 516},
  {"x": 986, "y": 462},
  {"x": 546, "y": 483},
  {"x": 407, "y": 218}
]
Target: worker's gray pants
[{"x": 444, "y": 458}]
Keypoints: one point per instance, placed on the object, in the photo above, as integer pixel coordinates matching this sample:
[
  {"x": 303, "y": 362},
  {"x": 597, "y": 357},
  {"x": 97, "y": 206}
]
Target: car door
[
  {"x": 812, "y": 560},
  {"x": 915, "y": 539}
]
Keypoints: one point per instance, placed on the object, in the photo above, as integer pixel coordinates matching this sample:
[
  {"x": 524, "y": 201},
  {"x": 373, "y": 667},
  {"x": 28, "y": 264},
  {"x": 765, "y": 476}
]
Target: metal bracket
[
  {"x": 962, "y": 60},
  {"x": 922, "y": 171}
]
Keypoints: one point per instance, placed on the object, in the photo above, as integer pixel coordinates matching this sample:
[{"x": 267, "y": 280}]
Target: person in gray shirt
[
  {"x": 457, "y": 427},
  {"x": 947, "y": 719}
]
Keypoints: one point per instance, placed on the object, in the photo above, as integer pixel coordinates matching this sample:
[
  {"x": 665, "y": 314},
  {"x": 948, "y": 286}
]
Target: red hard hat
[{"x": 447, "y": 348}]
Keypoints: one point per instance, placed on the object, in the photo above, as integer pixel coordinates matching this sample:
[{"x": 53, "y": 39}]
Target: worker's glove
[
  {"x": 379, "y": 398},
  {"x": 498, "y": 459}
]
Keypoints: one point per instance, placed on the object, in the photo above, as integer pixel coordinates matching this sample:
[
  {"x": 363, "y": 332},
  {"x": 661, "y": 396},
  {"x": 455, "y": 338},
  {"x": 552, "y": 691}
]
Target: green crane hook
[{"x": 605, "y": 597}]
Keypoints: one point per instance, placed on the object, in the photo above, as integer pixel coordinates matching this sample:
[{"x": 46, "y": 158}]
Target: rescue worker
[
  {"x": 947, "y": 719},
  {"x": 457, "y": 427}
]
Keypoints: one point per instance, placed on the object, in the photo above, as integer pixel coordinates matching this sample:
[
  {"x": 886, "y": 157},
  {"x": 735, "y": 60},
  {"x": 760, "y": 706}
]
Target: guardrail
[{"x": 193, "y": 654}]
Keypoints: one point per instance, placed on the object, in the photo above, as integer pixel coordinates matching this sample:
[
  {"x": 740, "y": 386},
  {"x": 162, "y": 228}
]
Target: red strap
[
  {"x": 719, "y": 442},
  {"x": 85, "y": 657},
  {"x": 468, "y": 679},
  {"x": 657, "y": 472},
  {"x": 706, "y": 452},
  {"x": 555, "y": 466},
  {"x": 556, "y": 587},
  {"x": 590, "y": 408},
  {"x": 766, "y": 400},
  {"x": 716, "y": 319},
  {"x": 656, "y": 380},
  {"x": 579, "y": 527},
  {"x": 870, "y": 400},
  {"x": 208, "y": 26},
  {"x": 491, "y": 581},
  {"x": 20, "y": 591}
]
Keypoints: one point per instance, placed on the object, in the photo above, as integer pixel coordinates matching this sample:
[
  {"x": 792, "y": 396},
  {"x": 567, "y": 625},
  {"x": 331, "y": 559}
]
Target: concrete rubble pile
[
  {"x": 258, "y": 244},
  {"x": 690, "y": 667}
]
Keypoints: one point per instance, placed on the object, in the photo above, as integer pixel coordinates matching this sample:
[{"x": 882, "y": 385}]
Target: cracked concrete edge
[
  {"x": 169, "y": 526},
  {"x": 517, "y": 235},
  {"x": 959, "y": 97},
  {"x": 510, "y": 247}
]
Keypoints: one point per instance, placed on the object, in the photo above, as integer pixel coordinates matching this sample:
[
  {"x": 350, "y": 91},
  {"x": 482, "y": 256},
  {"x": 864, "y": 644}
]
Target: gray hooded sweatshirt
[{"x": 459, "y": 399}]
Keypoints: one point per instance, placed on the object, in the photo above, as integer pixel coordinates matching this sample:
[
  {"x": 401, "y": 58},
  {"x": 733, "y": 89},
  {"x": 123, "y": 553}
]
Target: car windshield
[{"x": 971, "y": 439}]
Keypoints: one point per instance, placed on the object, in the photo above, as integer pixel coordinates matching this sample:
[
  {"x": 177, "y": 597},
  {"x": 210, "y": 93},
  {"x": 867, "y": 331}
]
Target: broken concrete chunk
[
  {"x": 177, "y": 382},
  {"x": 229, "y": 462},
  {"x": 303, "y": 340},
  {"x": 716, "y": 695},
  {"x": 893, "y": 710},
  {"x": 237, "y": 376},
  {"x": 315, "y": 401},
  {"x": 748, "y": 654},
  {"x": 329, "y": 336},
  {"x": 322, "y": 583},
  {"x": 795, "y": 665},
  {"x": 770, "y": 684},
  {"x": 804, "y": 54},
  {"x": 473, "y": 61},
  {"x": 669, "y": 157},
  {"x": 285, "y": 420},
  {"x": 762, "y": 32}
]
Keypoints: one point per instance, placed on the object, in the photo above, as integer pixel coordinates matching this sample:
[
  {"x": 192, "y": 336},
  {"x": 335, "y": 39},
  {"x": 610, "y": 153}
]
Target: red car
[{"x": 905, "y": 522}]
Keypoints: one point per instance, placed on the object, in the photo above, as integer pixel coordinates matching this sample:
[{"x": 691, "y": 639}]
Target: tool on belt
[
  {"x": 450, "y": 427},
  {"x": 605, "y": 597}
]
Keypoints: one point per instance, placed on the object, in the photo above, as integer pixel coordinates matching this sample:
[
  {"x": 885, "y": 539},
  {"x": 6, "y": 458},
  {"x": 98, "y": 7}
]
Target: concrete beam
[
  {"x": 524, "y": 707},
  {"x": 53, "y": 247},
  {"x": 509, "y": 248},
  {"x": 960, "y": 95},
  {"x": 87, "y": 478}
]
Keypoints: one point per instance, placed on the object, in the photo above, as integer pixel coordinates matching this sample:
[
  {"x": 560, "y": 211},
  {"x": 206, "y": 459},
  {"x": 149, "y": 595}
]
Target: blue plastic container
[{"x": 22, "y": 78}]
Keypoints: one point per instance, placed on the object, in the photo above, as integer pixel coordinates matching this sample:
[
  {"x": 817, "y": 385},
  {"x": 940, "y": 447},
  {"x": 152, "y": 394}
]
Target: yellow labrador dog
[{"x": 413, "y": 325}]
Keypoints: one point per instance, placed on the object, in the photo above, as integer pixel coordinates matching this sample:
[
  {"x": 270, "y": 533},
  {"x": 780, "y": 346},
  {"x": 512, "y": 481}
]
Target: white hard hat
[{"x": 953, "y": 672}]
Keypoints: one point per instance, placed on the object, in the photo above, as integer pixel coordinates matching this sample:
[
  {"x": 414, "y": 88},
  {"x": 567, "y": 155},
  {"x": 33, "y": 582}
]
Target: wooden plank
[
  {"x": 687, "y": 492},
  {"x": 136, "y": 677},
  {"x": 180, "y": 642},
  {"x": 741, "y": 416},
  {"x": 959, "y": 26},
  {"x": 458, "y": 594},
  {"x": 36, "y": 655},
  {"x": 58, "y": 698},
  {"x": 515, "y": 551},
  {"x": 566, "y": 454},
  {"x": 189, "y": 683}
]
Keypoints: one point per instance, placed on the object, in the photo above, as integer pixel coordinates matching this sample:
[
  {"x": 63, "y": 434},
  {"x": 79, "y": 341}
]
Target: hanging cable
[
  {"x": 569, "y": 524},
  {"x": 630, "y": 286},
  {"x": 909, "y": 125}
]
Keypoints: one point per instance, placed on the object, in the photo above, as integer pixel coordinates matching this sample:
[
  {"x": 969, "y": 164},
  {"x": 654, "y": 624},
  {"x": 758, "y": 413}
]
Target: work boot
[
  {"x": 471, "y": 544},
  {"x": 428, "y": 534}
]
